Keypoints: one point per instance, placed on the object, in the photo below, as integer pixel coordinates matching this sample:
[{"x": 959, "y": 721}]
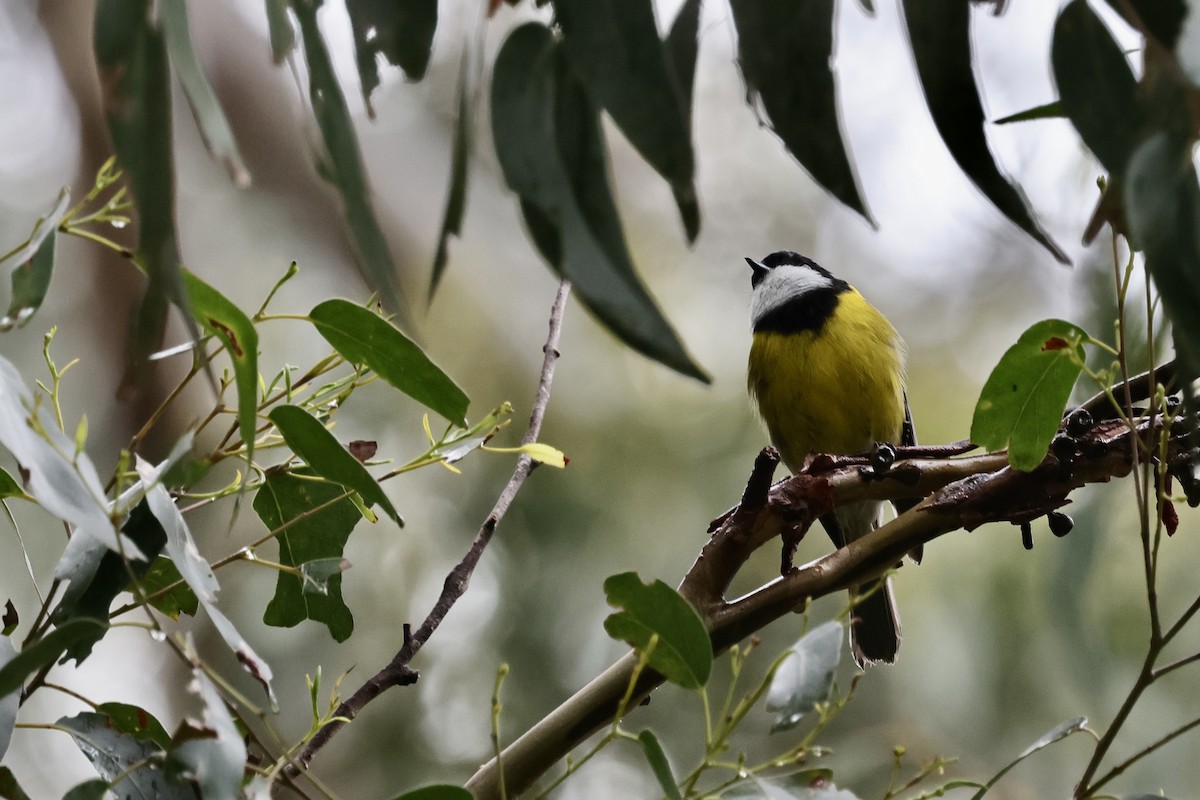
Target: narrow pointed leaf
[
  {"x": 9, "y": 703},
  {"x": 44, "y": 651},
  {"x": 683, "y": 653},
  {"x": 135, "y": 77},
  {"x": 399, "y": 30},
  {"x": 785, "y": 51},
  {"x": 659, "y": 764},
  {"x": 9, "y": 486},
  {"x": 456, "y": 197},
  {"x": 310, "y": 440},
  {"x": 939, "y": 32},
  {"x": 551, "y": 149},
  {"x": 1023, "y": 400},
  {"x": 805, "y": 677},
  {"x": 1096, "y": 84},
  {"x": 365, "y": 339},
  {"x": 1055, "y": 734},
  {"x": 683, "y": 48},
  {"x": 214, "y": 127},
  {"x": 214, "y": 754},
  {"x": 95, "y": 789},
  {"x": 1051, "y": 110},
  {"x": 236, "y": 332},
  {"x": 34, "y": 265},
  {"x": 613, "y": 47},
  {"x": 10, "y": 789},
  {"x": 313, "y": 534},
  {"x": 343, "y": 165},
  {"x": 283, "y": 36}
]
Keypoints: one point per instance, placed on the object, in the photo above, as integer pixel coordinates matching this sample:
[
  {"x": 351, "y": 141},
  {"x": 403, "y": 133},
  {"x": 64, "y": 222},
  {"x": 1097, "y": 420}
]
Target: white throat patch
[{"x": 782, "y": 284}]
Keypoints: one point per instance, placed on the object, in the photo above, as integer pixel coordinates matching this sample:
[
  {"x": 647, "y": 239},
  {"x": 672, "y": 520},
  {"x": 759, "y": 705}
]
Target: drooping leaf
[
  {"x": 659, "y": 764},
  {"x": 805, "y": 677},
  {"x": 214, "y": 127},
  {"x": 1162, "y": 206},
  {"x": 137, "y": 722},
  {"x": 9, "y": 703},
  {"x": 131, "y": 57},
  {"x": 198, "y": 574},
  {"x": 1051, "y": 110},
  {"x": 283, "y": 36},
  {"x": 10, "y": 789},
  {"x": 683, "y": 653},
  {"x": 456, "y": 197},
  {"x": 551, "y": 149},
  {"x": 939, "y": 32},
  {"x": 683, "y": 48},
  {"x": 614, "y": 49},
  {"x": 439, "y": 792},
  {"x": 95, "y": 789},
  {"x": 399, "y": 30},
  {"x": 785, "y": 51},
  {"x": 44, "y": 651},
  {"x": 366, "y": 339},
  {"x": 212, "y": 752},
  {"x": 1055, "y": 734},
  {"x": 233, "y": 329},
  {"x": 342, "y": 161},
  {"x": 287, "y": 498},
  {"x": 34, "y": 265},
  {"x": 309, "y": 440},
  {"x": 1023, "y": 400},
  {"x": 1096, "y": 84},
  {"x": 133, "y": 763}
]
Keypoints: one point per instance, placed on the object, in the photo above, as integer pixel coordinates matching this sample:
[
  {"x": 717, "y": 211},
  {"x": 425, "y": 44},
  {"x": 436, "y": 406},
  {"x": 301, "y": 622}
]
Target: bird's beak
[{"x": 760, "y": 271}]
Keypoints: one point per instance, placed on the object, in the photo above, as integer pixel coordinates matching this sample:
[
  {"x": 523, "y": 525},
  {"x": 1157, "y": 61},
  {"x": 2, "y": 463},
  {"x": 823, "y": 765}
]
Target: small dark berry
[
  {"x": 1079, "y": 422},
  {"x": 1063, "y": 447},
  {"x": 1060, "y": 523}
]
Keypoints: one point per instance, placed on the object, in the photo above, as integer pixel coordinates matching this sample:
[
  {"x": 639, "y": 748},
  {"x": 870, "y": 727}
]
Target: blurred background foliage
[{"x": 1000, "y": 644}]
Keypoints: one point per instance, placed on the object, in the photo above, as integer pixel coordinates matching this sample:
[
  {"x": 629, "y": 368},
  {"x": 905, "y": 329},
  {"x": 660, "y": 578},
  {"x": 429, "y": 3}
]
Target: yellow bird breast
[{"x": 838, "y": 390}]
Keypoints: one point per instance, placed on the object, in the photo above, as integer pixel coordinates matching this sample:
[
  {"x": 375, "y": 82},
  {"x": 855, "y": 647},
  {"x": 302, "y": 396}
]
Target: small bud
[
  {"x": 1026, "y": 535},
  {"x": 1079, "y": 422},
  {"x": 1060, "y": 523}
]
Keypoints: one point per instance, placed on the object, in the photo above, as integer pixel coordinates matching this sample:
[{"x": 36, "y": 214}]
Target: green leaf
[
  {"x": 35, "y": 263},
  {"x": 614, "y": 49},
  {"x": 786, "y": 50},
  {"x": 1096, "y": 84},
  {"x": 10, "y": 789},
  {"x": 1022, "y": 403},
  {"x": 288, "y": 498},
  {"x": 283, "y": 36},
  {"x": 131, "y": 57},
  {"x": 1055, "y": 734},
  {"x": 309, "y": 440},
  {"x": 805, "y": 676},
  {"x": 683, "y": 48},
  {"x": 456, "y": 197},
  {"x": 214, "y": 127},
  {"x": 1051, "y": 110},
  {"x": 179, "y": 600},
  {"x": 95, "y": 789},
  {"x": 659, "y": 764},
  {"x": 342, "y": 164},
  {"x": 44, "y": 651},
  {"x": 365, "y": 339},
  {"x": 439, "y": 792},
  {"x": 214, "y": 754},
  {"x": 399, "y": 30},
  {"x": 137, "y": 722},
  {"x": 939, "y": 31},
  {"x": 233, "y": 329},
  {"x": 9, "y": 703},
  {"x": 133, "y": 764},
  {"x": 9, "y": 487},
  {"x": 551, "y": 150},
  {"x": 683, "y": 653}
]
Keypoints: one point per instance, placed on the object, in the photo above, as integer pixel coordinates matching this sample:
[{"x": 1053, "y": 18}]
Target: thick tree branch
[
  {"x": 398, "y": 672},
  {"x": 961, "y": 492}
]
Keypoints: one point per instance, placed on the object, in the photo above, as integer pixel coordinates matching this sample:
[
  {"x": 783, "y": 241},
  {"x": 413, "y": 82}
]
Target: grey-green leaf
[
  {"x": 939, "y": 32},
  {"x": 343, "y": 165},
  {"x": 785, "y": 50},
  {"x": 399, "y": 30},
  {"x": 213, "y": 756},
  {"x": 319, "y": 523},
  {"x": 1055, "y": 734},
  {"x": 95, "y": 789},
  {"x": 659, "y": 764},
  {"x": 682, "y": 653},
  {"x": 456, "y": 197},
  {"x": 683, "y": 48},
  {"x": 133, "y": 763},
  {"x": 551, "y": 149},
  {"x": 9, "y": 703},
  {"x": 366, "y": 339},
  {"x": 283, "y": 36},
  {"x": 35, "y": 263},
  {"x": 1096, "y": 85},
  {"x": 805, "y": 677},
  {"x": 214, "y": 127}
]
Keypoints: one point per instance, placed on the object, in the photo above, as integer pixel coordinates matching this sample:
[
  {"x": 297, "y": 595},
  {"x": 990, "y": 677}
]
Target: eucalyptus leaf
[
  {"x": 683, "y": 49},
  {"x": 137, "y": 722},
  {"x": 280, "y": 30},
  {"x": 682, "y": 653},
  {"x": 1055, "y": 734},
  {"x": 439, "y": 792},
  {"x": 659, "y": 765},
  {"x": 456, "y": 197},
  {"x": 939, "y": 32},
  {"x": 1051, "y": 110},
  {"x": 214, "y": 754},
  {"x": 133, "y": 765},
  {"x": 1023, "y": 400},
  {"x": 35, "y": 263},
  {"x": 95, "y": 789},
  {"x": 10, "y": 702},
  {"x": 399, "y": 30},
  {"x": 10, "y": 789},
  {"x": 805, "y": 677}
]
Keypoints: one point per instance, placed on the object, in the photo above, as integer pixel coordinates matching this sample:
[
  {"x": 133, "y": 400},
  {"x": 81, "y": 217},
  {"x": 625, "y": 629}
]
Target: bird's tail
[{"x": 875, "y": 625}]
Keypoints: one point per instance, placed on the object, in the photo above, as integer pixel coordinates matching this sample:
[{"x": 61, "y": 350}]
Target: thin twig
[{"x": 398, "y": 672}]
